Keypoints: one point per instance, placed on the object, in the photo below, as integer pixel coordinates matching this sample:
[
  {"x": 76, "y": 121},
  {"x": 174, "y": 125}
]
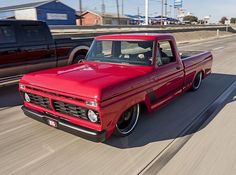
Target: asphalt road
[{"x": 29, "y": 147}]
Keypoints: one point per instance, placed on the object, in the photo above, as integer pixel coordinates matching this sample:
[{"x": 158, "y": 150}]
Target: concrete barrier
[{"x": 182, "y": 32}]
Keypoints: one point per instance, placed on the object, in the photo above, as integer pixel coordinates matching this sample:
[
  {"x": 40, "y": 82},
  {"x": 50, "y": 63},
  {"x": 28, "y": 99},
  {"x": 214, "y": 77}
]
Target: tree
[
  {"x": 223, "y": 19},
  {"x": 190, "y": 18},
  {"x": 233, "y": 20}
]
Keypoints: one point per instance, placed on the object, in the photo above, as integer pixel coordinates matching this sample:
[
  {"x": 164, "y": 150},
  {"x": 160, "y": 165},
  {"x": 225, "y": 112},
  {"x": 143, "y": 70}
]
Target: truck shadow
[
  {"x": 9, "y": 96},
  {"x": 169, "y": 122}
]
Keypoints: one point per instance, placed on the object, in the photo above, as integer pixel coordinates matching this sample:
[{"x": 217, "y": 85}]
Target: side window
[
  {"x": 33, "y": 33},
  {"x": 102, "y": 49},
  {"x": 165, "y": 54},
  {"x": 107, "y": 48},
  {"x": 7, "y": 34}
]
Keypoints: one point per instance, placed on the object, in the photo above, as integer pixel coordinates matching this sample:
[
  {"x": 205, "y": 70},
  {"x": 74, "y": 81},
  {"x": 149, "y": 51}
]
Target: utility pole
[
  {"x": 146, "y": 11},
  {"x": 175, "y": 12},
  {"x": 166, "y": 8},
  {"x": 122, "y": 7},
  {"x": 103, "y": 7},
  {"x": 162, "y": 9},
  {"x": 170, "y": 10},
  {"x": 118, "y": 11},
  {"x": 138, "y": 16},
  {"x": 80, "y": 12}
]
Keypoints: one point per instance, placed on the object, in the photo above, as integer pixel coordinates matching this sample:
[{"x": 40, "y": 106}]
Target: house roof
[
  {"x": 105, "y": 15},
  {"x": 24, "y": 6}
]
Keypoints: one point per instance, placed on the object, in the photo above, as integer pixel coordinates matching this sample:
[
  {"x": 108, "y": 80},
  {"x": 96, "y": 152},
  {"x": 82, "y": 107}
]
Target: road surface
[{"x": 29, "y": 147}]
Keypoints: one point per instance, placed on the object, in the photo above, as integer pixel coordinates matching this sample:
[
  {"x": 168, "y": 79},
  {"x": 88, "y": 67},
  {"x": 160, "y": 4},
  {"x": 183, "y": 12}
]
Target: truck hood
[{"x": 94, "y": 80}]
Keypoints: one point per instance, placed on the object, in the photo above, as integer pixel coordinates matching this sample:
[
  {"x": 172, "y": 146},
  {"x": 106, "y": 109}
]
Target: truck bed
[
  {"x": 193, "y": 60},
  {"x": 187, "y": 54}
]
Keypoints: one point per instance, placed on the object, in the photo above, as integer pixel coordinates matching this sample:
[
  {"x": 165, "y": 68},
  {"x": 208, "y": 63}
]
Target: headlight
[
  {"x": 91, "y": 103},
  {"x": 27, "y": 98},
  {"x": 93, "y": 117},
  {"x": 22, "y": 87}
]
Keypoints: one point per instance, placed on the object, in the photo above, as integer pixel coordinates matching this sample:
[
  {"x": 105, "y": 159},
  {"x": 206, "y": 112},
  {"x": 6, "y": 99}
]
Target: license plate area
[{"x": 52, "y": 123}]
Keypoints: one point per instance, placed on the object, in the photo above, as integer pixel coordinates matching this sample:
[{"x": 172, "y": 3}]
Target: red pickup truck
[{"x": 103, "y": 94}]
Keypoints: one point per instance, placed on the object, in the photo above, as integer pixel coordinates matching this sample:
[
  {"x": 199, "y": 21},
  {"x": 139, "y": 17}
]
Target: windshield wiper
[{"x": 95, "y": 60}]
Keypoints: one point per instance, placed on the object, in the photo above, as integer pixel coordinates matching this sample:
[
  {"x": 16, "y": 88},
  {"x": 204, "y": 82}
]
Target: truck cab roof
[{"x": 136, "y": 36}]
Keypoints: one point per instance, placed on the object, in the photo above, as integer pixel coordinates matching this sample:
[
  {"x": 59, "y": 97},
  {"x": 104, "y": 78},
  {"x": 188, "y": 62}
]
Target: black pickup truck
[{"x": 27, "y": 46}]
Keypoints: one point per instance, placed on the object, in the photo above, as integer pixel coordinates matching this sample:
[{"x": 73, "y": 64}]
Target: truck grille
[
  {"x": 70, "y": 109},
  {"x": 39, "y": 100},
  {"x": 55, "y": 94}
]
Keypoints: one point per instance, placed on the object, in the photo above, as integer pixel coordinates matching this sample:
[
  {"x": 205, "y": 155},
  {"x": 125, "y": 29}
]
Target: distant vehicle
[
  {"x": 103, "y": 94},
  {"x": 27, "y": 46}
]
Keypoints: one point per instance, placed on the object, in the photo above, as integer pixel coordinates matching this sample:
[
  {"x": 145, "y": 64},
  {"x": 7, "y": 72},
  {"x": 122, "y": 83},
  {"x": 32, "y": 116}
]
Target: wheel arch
[{"x": 81, "y": 48}]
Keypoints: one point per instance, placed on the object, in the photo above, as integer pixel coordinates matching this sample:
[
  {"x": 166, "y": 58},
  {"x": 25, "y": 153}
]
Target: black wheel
[
  {"x": 78, "y": 59},
  {"x": 127, "y": 121},
  {"x": 197, "y": 81}
]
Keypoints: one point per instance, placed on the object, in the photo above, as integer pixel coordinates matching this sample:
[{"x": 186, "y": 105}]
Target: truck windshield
[{"x": 124, "y": 52}]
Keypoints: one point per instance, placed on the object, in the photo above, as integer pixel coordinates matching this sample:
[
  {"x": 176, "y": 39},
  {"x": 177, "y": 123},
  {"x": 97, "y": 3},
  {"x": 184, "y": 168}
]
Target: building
[
  {"x": 90, "y": 18},
  {"x": 136, "y": 19},
  {"x": 53, "y": 12},
  {"x": 157, "y": 20}
]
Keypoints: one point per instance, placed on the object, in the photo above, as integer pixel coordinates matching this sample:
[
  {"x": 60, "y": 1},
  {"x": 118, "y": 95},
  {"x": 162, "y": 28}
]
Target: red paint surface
[{"x": 117, "y": 87}]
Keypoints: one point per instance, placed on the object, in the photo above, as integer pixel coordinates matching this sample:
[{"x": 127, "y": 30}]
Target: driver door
[{"x": 169, "y": 74}]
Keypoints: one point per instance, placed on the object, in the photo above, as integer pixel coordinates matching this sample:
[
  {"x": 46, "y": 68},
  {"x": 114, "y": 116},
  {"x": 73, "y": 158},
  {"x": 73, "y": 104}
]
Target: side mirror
[{"x": 165, "y": 60}]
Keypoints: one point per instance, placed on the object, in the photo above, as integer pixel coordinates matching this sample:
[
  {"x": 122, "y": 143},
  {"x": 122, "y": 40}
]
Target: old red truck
[{"x": 103, "y": 94}]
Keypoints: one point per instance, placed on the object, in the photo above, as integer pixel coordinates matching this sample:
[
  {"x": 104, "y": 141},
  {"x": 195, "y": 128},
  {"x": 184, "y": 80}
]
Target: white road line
[
  {"x": 173, "y": 147},
  {"x": 4, "y": 108},
  {"x": 13, "y": 129},
  {"x": 10, "y": 107},
  {"x": 217, "y": 48},
  {"x": 50, "y": 152}
]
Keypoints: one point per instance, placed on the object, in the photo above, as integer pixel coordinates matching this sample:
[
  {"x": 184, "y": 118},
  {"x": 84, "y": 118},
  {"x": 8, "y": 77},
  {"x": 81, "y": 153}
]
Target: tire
[
  {"x": 197, "y": 82},
  {"x": 77, "y": 54},
  {"x": 78, "y": 59},
  {"x": 127, "y": 121}
]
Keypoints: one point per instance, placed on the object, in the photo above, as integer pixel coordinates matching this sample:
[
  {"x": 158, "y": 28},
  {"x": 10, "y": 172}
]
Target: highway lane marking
[
  {"x": 13, "y": 129},
  {"x": 174, "y": 146},
  {"x": 5, "y": 108},
  {"x": 50, "y": 152},
  {"x": 217, "y": 48}
]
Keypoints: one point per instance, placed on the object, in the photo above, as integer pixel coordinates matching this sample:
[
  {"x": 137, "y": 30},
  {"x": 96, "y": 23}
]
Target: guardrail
[
  {"x": 130, "y": 26},
  {"x": 92, "y": 31}
]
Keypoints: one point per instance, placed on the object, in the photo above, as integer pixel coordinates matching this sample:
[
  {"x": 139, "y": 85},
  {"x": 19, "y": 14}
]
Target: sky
[{"x": 200, "y": 8}]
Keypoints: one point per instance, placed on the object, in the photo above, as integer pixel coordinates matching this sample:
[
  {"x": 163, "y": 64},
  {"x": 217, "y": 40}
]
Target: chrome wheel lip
[
  {"x": 199, "y": 83},
  {"x": 135, "y": 123}
]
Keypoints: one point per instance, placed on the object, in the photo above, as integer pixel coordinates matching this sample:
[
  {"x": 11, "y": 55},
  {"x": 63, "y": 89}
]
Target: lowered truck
[
  {"x": 103, "y": 94},
  {"x": 27, "y": 46}
]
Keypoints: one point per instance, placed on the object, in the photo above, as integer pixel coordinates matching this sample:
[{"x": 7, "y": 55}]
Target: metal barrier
[{"x": 92, "y": 31}]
